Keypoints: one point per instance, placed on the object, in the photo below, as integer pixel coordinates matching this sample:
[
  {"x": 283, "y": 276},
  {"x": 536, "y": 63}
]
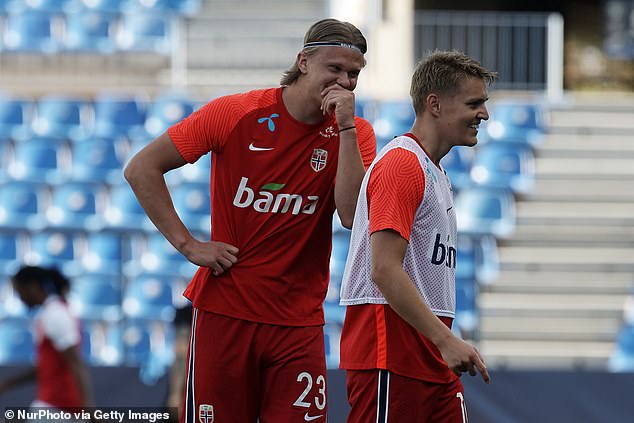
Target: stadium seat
[
  {"x": 76, "y": 206},
  {"x": 98, "y": 160},
  {"x": 22, "y": 205},
  {"x": 32, "y": 32},
  {"x": 101, "y": 6},
  {"x": 394, "y": 118},
  {"x": 183, "y": 7},
  {"x": 338, "y": 256},
  {"x": 198, "y": 172},
  {"x": 11, "y": 252},
  {"x": 144, "y": 33},
  {"x": 102, "y": 342},
  {"x": 40, "y": 159},
  {"x": 457, "y": 164},
  {"x": 90, "y": 32},
  {"x": 149, "y": 345},
  {"x": 477, "y": 258},
  {"x": 96, "y": 297},
  {"x": 622, "y": 359},
  {"x": 165, "y": 111},
  {"x": 481, "y": 211},
  {"x": 63, "y": 117},
  {"x": 50, "y": 6},
  {"x": 149, "y": 297},
  {"x": 332, "y": 338},
  {"x": 11, "y": 306},
  {"x": 466, "y": 304},
  {"x": 516, "y": 122},
  {"x": 154, "y": 255},
  {"x": 505, "y": 165},
  {"x": 16, "y": 342},
  {"x": 119, "y": 115},
  {"x": 15, "y": 117},
  {"x": 193, "y": 204},
  {"x": 124, "y": 213},
  {"x": 104, "y": 253},
  {"x": 57, "y": 249}
]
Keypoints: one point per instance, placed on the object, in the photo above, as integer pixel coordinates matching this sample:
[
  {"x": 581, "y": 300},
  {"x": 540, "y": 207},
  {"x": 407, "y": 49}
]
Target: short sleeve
[
  {"x": 60, "y": 327},
  {"x": 395, "y": 191},
  {"x": 366, "y": 140}
]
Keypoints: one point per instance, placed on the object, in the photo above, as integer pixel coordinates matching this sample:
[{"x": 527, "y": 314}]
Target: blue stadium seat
[
  {"x": 96, "y": 297},
  {"x": 332, "y": 338},
  {"x": 76, "y": 206},
  {"x": 104, "y": 253},
  {"x": 514, "y": 121},
  {"x": 505, "y": 165},
  {"x": 22, "y": 205},
  {"x": 11, "y": 252},
  {"x": 119, "y": 115},
  {"x": 466, "y": 304},
  {"x": 40, "y": 159},
  {"x": 124, "y": 213},
  {"x": 101, "y": 6},
  {"x": 394, "y": 118},
  {"x": 198, "y": 172},
  {"x": 622, "y": 358},
  {"x": 154, "y": 255},
  {"x": 15, "y": 117},
  {"x": 457, "y": 164},
  {"x": 150, "y": 345},
  {"x": 482, "y": 211},
  {"x": 193, "y": 204},
  {"x": 32, "y": 32},
  {"x": 144, "y": 33},
  {"x": 338, "y": 256},
  {"x": 477, "y": 258},
  {"x": 98, "y": 160},
  {"x": 11, "y": 306},
  {"x": 16, "y": 342},
  {"x": 57, "y": 249},
  {"x": 50, "y": 6},
  {"x": 91, "y": 32},
  {"x": 165, "y": 111},
  {"x": 149, "y": 297},
  {"x": 63, "y": 117},
  {"x": 183, "y": 7},
  {"x": 102, "y": 342}
]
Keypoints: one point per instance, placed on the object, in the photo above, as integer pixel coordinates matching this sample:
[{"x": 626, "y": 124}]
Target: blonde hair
[
  {"x": 326, "y": 30},
  {"x": 441, "y": 72}
]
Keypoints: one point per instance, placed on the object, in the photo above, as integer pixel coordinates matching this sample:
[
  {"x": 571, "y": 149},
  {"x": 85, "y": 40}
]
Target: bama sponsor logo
[
  {"x": 267, "y": 201},
  {"x": 443, "y": 254}
]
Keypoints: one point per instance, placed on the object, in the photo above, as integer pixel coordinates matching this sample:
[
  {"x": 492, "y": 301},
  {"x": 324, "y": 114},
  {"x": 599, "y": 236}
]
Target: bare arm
[
  {"x": 350, "y": 169},
  {"x": 145, "y": 173},
  {"x": 388, "y": 251},
  {"x": 80, "y": 372}
]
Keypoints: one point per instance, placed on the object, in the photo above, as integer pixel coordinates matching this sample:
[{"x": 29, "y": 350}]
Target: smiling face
[
  {"x": 462, "y": 113},
  {"x": 329, "y": 66}
]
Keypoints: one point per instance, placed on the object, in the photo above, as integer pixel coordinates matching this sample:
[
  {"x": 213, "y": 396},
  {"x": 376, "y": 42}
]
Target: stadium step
[
  {"x": 526, "y": 328},
  {"x": 607, "y": 259},
  {"x": 562, "y": 282},
  {"x": 572, "y": 190}
]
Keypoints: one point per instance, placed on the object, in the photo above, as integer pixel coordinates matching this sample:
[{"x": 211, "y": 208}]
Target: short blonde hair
[
  {"x": 327, "y": 30},
  {"x": 441, "y": 72}
]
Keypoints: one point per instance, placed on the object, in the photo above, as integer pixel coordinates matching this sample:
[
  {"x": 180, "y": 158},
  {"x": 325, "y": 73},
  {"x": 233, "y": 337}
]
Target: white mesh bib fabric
[{"x": 430, "y": 258}]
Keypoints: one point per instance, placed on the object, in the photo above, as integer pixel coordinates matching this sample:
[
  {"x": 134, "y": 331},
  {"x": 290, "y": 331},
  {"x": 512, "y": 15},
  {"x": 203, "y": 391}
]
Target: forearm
[
  {"x": 19, "y": 379},
  {"x": 404, "y": 298},
  {"x": 350, "y": 172}
]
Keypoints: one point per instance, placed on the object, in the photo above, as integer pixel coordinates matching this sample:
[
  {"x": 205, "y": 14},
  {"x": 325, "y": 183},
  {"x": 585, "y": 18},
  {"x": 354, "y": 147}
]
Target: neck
[
  {"x": 299, "y": 105},
  {"x": 428, "y": 138}
]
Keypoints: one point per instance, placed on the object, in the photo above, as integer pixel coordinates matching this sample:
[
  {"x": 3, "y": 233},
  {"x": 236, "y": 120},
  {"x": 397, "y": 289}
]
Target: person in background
[
  {"x": 401, "y": 358},
  {"x": 63, "y": 380},
  {"x": 283, "y": 160}
]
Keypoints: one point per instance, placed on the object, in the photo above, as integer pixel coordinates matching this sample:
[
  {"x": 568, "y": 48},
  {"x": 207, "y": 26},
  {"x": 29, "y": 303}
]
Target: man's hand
[
  {"x": 462, "y": 357},
  {"x": 339, "y": 100},
  {"x": 218, "y": 256}
]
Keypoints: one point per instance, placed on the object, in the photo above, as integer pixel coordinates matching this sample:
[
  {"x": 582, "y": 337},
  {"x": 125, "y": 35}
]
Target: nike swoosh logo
[
  {"x": 310, "y": 418},
  {"x": 254, "y": 148},
  {"x": 449, "y": 209}
]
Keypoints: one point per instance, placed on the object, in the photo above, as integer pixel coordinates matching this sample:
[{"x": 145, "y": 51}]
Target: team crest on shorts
[
  {"x": 318, "y": 159},
  {"x": 206, "y": 413}
]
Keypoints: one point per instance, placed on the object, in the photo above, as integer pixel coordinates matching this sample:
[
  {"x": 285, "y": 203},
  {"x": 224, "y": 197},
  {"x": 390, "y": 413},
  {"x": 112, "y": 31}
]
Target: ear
[
  {"x": 432, "y": 103},
  {"x": 302, "y": 62}
]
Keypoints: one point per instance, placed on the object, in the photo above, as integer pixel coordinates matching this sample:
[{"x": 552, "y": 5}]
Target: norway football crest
[
  {"x": 206, "y": 413},
  {"x": 318, "y": 159}
]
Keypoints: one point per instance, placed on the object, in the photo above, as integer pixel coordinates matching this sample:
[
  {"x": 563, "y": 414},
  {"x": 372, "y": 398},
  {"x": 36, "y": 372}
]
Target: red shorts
[
  {"x": 382, "y": 396},
  {"x": 239, "y": 371}
]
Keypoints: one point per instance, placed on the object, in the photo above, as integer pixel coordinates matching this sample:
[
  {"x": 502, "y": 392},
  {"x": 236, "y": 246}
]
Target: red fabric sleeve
[{"x": 395, "y": 191}]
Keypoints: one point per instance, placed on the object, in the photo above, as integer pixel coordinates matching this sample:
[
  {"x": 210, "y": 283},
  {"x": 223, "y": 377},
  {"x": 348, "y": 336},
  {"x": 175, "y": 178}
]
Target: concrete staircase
[{"x": 567, "y": 269}]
